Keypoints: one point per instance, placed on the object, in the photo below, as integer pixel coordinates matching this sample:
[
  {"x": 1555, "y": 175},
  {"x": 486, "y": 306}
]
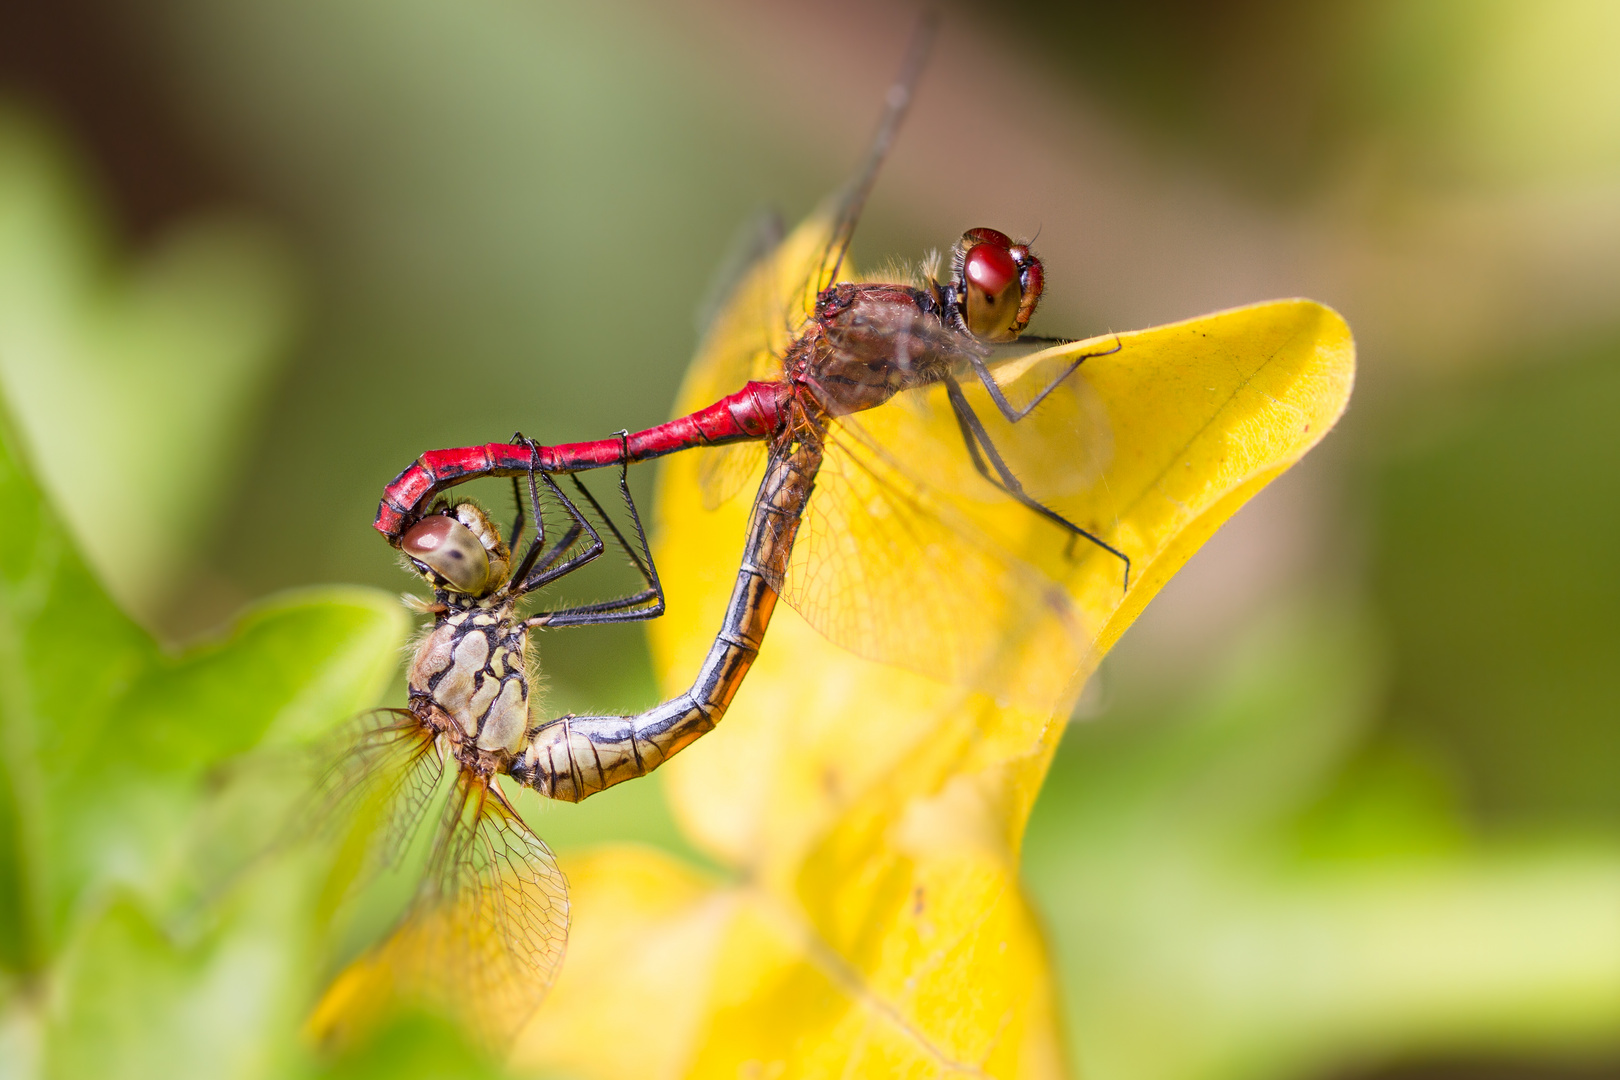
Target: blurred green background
[{"x": 1346, "y": 801}]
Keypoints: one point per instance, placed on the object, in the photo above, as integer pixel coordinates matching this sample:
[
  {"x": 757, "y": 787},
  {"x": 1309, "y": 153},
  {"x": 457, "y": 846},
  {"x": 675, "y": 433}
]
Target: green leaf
[
  {"x": 134, "y": 381},
  {"x": 137, "y": 1004},
  {"x": 67, "y": 657},
  {"x": 287, "y": 670},
  {"x": 415, "y": 1046},
  {"x": 282, "y": 672},
  {"x": 226, "y": 1003},
  {"x": 116, "y": 757},
  {"x": 226, "y": 1006}
]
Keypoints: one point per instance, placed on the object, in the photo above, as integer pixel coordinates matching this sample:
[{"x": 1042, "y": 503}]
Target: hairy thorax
[
  {"x": 471, "y": 667},
  {"x": 868, "y": 343}
]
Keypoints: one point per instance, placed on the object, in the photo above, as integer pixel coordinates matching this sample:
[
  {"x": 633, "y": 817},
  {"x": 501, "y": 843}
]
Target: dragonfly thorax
[
  {"x": 871, "y": 341},
  {"x": 469, "y": 679}
]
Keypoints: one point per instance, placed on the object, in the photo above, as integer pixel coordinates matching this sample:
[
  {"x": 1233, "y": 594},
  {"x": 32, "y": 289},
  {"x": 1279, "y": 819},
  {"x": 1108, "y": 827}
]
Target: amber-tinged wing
[
  {"x": 483, "y": 939},
  {"x": 495, "y": 911},
  {"x": 382, "y": 773},
  {"x": 907, "y": 555},
  {"x": 745, "y": 342},
  {"x": 765, "y": 311},
  {"x": 938, "y": 576}
]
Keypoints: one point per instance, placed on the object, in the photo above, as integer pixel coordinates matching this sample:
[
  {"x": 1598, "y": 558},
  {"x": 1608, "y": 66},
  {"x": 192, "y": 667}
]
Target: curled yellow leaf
[{"x": 873, "y": 812}]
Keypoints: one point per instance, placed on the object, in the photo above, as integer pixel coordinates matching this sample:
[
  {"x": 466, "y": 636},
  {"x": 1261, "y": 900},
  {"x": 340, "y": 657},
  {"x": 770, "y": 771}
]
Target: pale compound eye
[
  {"x": 451, "y": 550},
  {"x": 990, "y": 280}
]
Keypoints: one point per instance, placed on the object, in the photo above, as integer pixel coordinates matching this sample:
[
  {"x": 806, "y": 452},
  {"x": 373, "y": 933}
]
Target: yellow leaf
[
  {"x": 873, "y": 813},
  {"x": 633, "y": 993}
]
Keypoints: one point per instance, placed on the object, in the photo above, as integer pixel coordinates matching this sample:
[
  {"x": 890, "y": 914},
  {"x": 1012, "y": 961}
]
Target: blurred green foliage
[
  {"x": 1255, "y": 869},
  {"x": 1285, "y": 96},
  {"x": 1496, "y": 572},
  {"x": 144, "y": 377},
  {"x": 153, "y": 919}
]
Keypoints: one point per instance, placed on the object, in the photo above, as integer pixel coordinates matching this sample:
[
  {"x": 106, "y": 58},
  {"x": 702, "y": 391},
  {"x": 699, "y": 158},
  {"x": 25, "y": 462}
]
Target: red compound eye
[
  {"x": 992, "y": 292},
  {"x": 982, "y": 235},
  {"x": 990, "y": 267}
]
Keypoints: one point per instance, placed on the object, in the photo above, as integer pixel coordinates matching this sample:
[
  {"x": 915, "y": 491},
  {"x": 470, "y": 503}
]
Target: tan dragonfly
[{"x": 484, "y": 936}]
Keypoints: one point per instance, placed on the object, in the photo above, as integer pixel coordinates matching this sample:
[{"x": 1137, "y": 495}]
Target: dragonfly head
[
  {"x": 458, "y": 549},
  {"x": 995, "y": 285}
]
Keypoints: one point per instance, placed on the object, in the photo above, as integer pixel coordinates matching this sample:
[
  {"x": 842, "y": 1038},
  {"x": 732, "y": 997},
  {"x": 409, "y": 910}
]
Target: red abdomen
[{"x": 754, "y": 412}]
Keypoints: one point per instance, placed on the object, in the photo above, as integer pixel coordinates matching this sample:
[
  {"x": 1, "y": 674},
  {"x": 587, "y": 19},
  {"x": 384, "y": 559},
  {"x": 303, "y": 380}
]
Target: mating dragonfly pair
[{"x": 793, "y": 359}]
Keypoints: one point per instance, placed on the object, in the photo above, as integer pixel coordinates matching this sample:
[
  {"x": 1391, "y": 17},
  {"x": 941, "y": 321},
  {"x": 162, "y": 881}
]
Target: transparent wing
[
  {"x": 945, "y": 575},
  {"x": 845, "y": 207},
  {"x": 746, "y": 340},
  {"x": 766, "y": 310},
  {"x": 484, "y": 937},
  {"x": 491, "y": 925},
  {"x": 773, "y": 300},
  {"x": 758, "y": 237},
  {"x": 384, "y": 768},
  {"x": 723, "y": 471}
]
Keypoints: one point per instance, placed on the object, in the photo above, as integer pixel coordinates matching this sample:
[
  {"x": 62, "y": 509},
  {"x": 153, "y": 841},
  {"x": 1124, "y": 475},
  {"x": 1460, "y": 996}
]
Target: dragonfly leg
[
  {"x": 517, "y": 523},
  {"x": 530, "y": 576},
  {"x": 538, "y": 542},
  {"x": 1012, "y": 412},
  {"x": 533, "y": 557},
  {"x": 635, "y": 607},
  {"x": 542, "y": 564},
  {"x": 646, "y": 604},
  {"x": 990, "y": 464}
]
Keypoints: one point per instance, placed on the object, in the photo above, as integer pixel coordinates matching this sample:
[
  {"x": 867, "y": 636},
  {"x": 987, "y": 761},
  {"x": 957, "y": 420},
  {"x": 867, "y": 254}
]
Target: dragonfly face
[{"x": 994, "y": 287}]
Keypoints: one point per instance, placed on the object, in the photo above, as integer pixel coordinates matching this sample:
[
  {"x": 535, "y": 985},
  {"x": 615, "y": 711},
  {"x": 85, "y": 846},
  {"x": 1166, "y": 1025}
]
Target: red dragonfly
[{"x": 846, "y": 526}]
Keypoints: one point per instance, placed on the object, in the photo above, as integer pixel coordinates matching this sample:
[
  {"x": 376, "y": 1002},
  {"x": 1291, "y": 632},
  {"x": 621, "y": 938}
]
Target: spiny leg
[
  {"x": 526, "y": 575},
  {"x": 644, "y": 563},
  {"x": 517, "y": 523},
  {"x": 1013, "y": 412},
  {"x": 533, "y": 561},
  {"x": 632, "y": 608},
  {"x": 643, "y": 560},
  {"x": 545, "y": 562},
  {"x": 646, "y": 604},
  {"x": 549, "y": 569},
  {"x": 987, "y": 458},
  {"x": 517, "y": 527}
]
